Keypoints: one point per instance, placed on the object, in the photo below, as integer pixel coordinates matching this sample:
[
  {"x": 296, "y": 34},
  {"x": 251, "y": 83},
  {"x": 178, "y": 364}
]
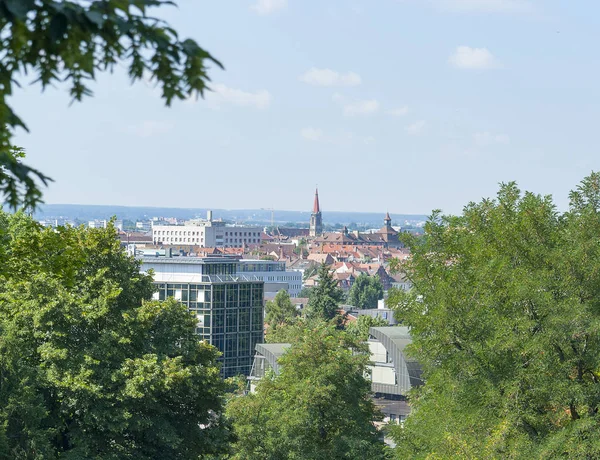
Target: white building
[
  {"x": 97, "y": 223},
  {"x": 143, "y": 226},
  {"x": 207, "y": 233}
]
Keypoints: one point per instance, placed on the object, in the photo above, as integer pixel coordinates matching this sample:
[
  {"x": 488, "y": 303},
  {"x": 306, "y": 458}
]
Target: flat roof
[{"x": 187, "y": 259}]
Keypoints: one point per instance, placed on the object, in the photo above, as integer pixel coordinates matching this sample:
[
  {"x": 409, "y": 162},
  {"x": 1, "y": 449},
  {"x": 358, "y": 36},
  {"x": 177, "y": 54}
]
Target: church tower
[
  {"x": 387, "y": 221},
  {"x": 316, "y": 222}
]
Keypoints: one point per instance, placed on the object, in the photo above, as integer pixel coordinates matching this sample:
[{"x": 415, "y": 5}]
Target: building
[
  {"x": 386, "y": 314},
  {"x": 316, "y": 220},
  {"x": 143, "y": 226},
  {"x": 228, "y": 305},
  {"x": 97, "y": 223},
  {"x": 274, "y": 274},
  {"x": 392, "y": 374},
  {"x": 386, "y": 237},
  {"x": 206, "y": 233}
]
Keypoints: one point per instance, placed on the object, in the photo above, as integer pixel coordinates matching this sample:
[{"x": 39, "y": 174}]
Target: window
[
  {"x": 244, "y": 320},
  {"x": 231, "y": 346},
  {"x": 218, "y": 322},
  {"x": 231, "y": 323},
  {"x": 232, "y": 296}
]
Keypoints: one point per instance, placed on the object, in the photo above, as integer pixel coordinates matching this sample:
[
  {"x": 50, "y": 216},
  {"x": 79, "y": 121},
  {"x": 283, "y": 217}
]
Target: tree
[
  {"x": 70, "y": 41},
  {"x": 360, "y": 327},
  {"x": 319, "y": 406},
  {"x": 90, "y": 367},
  {"x": 505, "y": 321},
  {"x": 280, "y": 310},
  {"x": 310, "y": 271},
  {"x": 365, "y": 292},
  {"x": 305, "y": 292},
  {"x": 325, "y": 297}
]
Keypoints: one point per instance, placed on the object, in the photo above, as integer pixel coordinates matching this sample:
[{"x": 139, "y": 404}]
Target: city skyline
[{"x": 419, "y": 104}]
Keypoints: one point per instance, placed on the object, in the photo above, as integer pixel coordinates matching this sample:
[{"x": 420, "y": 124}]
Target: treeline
[
  {"x": 91, "y": 367},
  {"x": 504, "y": 315}
]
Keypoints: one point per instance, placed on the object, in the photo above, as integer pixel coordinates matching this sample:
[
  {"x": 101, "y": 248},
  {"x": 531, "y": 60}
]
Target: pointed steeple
[
  {"x": 316, "y": 207},
  {"x": 316, "y": 223}
]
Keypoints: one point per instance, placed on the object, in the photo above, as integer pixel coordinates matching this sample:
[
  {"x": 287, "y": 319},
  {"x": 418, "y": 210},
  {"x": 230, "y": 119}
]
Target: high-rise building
[
  {"x": 228, "y": 304},
  {"x": 316, "y": 221}
]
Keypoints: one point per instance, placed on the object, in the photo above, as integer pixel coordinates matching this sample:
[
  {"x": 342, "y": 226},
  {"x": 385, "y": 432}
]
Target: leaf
[
  {"x": 96, "y": 17},
  {"x": 19, "y": 8},
  {"x": 58, "y": 27}
]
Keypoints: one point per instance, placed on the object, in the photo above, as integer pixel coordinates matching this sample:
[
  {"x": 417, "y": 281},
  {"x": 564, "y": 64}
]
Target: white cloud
[
  {"x": 311, "y": 134},
  {"x": 366, "y": 107},
  {"x": 353, "y": 107},
  {"x": 264, "y": 7},
  {"x": 486, "y": 6},
  {"x": 416, "y": 128},
  {"x": 221, "y": 95},
  {"x": 466, "y": 57},
  {"x": 149, "y": 128},
  {"x": 398, "y": 112},
  {"x": 328, "y": 77},
  {"x": 344, "y": 138},
  {"x": 485, "y": 139}
]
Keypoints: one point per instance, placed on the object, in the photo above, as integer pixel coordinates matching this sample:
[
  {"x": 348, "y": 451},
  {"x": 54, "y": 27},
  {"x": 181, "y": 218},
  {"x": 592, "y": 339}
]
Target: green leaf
[
  {"x": 96, "y": 17},
  {"x": 19, "y": 8},
  {"x": 58, "y": 27}
]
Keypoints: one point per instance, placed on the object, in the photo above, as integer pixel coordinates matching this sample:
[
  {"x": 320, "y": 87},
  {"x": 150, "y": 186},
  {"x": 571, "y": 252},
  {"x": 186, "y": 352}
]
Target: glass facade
[{"x": 230, "y": 317}]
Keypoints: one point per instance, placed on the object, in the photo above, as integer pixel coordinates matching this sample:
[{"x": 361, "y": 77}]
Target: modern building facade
[
  {"x": 392, "y": 373},
  {"x": 207, "y": 233},
  {"x": 228, "y": 305},
  {"x": 274, "y": 274},
  {"x": 316, "y": 219}
]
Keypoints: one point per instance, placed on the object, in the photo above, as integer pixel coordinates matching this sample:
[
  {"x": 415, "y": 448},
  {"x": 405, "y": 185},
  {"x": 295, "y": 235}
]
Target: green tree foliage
[
  {"x": 305, "y": 292},
  {"x": 70, "y": 41},
  {"x": 280, "y": 310},
  {"x": 365, "y": 292},
  {"x": 89, "y": 366},
  {"x": 325, "y": 297},
  {"x": 318, "y": 407},
  {"x": 310, "y": 271},
  {"x": 360, "y": 327},
  {"x": 505, "y": 320}
]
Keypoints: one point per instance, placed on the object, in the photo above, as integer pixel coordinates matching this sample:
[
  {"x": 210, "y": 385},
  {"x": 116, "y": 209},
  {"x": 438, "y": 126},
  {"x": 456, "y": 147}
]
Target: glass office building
[{"x": 229, "y": 306}]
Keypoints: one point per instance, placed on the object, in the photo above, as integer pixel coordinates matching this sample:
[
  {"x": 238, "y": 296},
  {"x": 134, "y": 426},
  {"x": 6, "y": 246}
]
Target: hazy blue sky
[{"x": 403, "y": 105}]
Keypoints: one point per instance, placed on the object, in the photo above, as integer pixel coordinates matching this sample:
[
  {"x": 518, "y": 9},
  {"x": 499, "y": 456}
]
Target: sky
[{"x": 397, "y": 105}]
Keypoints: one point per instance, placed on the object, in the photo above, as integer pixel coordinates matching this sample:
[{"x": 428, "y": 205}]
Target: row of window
[
  {"x": 251, "y": 234},
  {"x": 178, "y": 232},
  {"x": 283, "y": 278},
  {"x": 216, "y": 296},
  {"x": 199, "y": 233},
  {"x": 176, "y": 239}
]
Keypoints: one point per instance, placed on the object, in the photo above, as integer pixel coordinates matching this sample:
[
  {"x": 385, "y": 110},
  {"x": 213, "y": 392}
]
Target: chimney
[{"x": 209, "y": 215}]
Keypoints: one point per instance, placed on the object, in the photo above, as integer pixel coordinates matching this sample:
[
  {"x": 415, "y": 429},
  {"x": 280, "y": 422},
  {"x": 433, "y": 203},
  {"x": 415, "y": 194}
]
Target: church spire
[
  {"x": 316, "y": 207},
  {"x": 316, "y": 223}
]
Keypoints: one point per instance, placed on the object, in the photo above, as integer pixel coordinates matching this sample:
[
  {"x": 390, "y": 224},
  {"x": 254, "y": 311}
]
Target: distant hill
[{"x": 249, "y": 216}]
